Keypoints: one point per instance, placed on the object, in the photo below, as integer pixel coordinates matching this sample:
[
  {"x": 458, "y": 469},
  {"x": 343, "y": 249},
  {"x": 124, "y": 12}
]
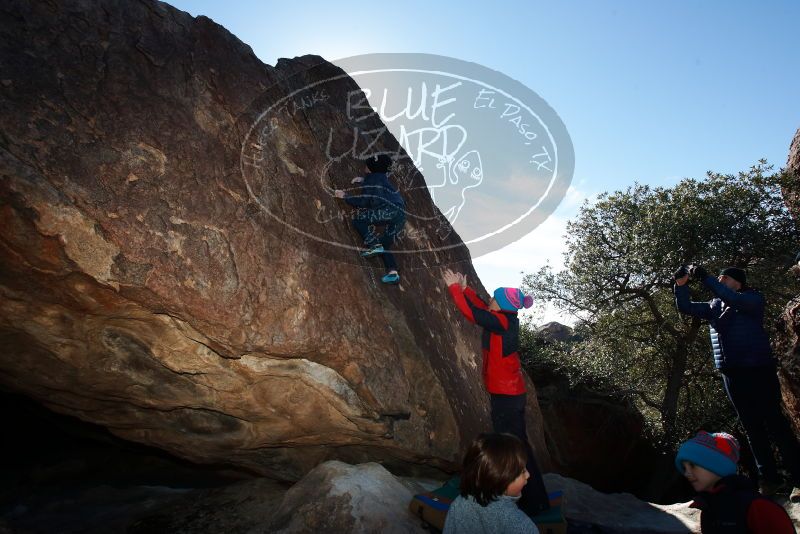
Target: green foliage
[{"x": 621, "y": 253}]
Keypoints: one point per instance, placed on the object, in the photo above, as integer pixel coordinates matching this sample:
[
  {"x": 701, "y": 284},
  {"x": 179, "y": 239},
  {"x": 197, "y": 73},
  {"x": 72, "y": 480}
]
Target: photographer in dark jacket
[{"x": 743, "y": 356}]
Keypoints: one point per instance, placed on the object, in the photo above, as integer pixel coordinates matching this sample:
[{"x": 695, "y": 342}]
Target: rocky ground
[{"x": 334, "y": 497}]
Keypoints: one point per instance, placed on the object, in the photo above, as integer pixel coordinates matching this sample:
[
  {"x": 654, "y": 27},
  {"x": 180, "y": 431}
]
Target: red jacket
[
  {"x": 502, "y": 373},
  {"x": 767, "y": 517},
  {"x": 733, "y": 505}
]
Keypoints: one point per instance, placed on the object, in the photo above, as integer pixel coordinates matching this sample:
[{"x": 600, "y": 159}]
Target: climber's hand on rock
[
  {"x": 338, "y": 193},
  {"x": 357, "y": 180},
  {"x": 451, "y": 278}
]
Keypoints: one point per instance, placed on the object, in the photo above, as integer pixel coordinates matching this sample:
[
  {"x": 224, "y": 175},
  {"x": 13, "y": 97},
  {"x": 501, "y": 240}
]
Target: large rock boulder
[
  {"x": 584, "y": 426},
  {"x": 588, "y": 510},
  {"x": 553, "y": 332},
  {"x": 792, "y": 192},
  {"x": 337, "y": 497},
  {"x": 166, "y": 273},
  {"x": 789, "y": 341},
  {"x": 789, "y": 355},
  {"x": 333, "y": 497},
  {"x": 245, "y": 506}
]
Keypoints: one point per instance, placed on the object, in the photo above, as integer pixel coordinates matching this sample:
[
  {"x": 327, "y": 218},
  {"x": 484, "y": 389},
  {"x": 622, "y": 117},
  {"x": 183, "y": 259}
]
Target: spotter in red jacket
[{"x": 502, "y": 374}]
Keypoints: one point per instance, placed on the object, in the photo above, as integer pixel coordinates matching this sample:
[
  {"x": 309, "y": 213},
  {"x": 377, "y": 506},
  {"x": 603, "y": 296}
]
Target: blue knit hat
[
  {"x": 512, "y": 299},
  {"x": 717, "y": 453}
]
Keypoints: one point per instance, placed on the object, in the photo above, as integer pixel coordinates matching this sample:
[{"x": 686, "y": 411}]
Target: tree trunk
[{"x": 669, "y": 406}]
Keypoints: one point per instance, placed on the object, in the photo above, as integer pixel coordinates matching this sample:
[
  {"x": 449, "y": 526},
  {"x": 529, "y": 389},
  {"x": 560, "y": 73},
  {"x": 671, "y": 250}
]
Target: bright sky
[{"x": 648, "y": 92}]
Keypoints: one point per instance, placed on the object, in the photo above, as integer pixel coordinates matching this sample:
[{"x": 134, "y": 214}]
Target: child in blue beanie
[{"x": 728, "y": 502}]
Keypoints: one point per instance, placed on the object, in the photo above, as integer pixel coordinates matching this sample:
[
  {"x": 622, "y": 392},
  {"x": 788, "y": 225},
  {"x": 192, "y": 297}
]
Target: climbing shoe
[
  {"x": 391, "y": 278},
  {"x": 374, "y": 251}
]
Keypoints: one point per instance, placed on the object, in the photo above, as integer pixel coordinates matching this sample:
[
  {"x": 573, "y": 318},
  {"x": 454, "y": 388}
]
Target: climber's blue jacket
[
  {"x": 736, "y": 321},
  {"x": 376, "y": 192}
]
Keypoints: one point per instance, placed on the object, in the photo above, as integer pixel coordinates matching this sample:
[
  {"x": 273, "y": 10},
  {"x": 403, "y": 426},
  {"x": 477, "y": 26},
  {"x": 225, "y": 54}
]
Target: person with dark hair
[
  {"x": 502, "y": 371},
  {"x": 379, "y": 203},
  {"x": 728, "y": 502},
  {"x": 743, "y": 356},
  {"x": 492, "y": 477}
]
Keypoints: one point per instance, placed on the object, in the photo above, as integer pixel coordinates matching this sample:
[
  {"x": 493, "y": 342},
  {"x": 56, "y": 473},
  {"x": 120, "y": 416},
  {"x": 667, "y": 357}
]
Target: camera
[
  {"x": 683, "y": 270},
  {"x": 697, "y": 272}
]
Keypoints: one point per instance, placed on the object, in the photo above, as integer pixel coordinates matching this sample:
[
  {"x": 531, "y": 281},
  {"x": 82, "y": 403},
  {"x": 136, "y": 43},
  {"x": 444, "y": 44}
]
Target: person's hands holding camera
[
  {"x": 698, "y": 272},
  {"x": 681, "y": 275}
]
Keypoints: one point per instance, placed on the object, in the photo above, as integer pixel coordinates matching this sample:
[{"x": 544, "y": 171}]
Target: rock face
[
  {"x": 792, "y": 194},
  {"x": 240, "y": 507},
  {"x": 789, "y": 342},
  {"x": 153, "y": 283},
  {"x": 789, "y": 355},
  {"x": 337, "y": 497},
  {"x": 584, "y": 426},
  {"x": 588, "y": 510},
  {"x": 553, "y": 331}
]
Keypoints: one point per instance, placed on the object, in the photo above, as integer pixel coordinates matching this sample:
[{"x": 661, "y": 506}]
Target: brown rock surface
[
  {"x": 337, "y": 497},
  {"x": 789, "y": 341},
  {"x": 792, "y": 193},
  {"x": 593, "y": 436},
  {"x": 147, "y": 284},
  {"x": 244, "y": 506},
  {"x": 554, "y": 332},
  {"x": 789, "y": 355},
  {"x": 588, "y": 510}
]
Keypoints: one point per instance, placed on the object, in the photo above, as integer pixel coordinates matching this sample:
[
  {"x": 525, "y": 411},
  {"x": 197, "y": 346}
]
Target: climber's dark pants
[
  {"x": 756, "y": 396},
  {"x": 367, "y": 221},
  {"x": 508, "y": 415}
]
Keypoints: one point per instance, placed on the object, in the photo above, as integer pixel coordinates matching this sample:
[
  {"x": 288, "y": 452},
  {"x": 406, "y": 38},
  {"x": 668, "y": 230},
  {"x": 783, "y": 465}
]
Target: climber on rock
[
  {"x": 502, "y": 372},
  {"x": 379, "y": 203}
]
